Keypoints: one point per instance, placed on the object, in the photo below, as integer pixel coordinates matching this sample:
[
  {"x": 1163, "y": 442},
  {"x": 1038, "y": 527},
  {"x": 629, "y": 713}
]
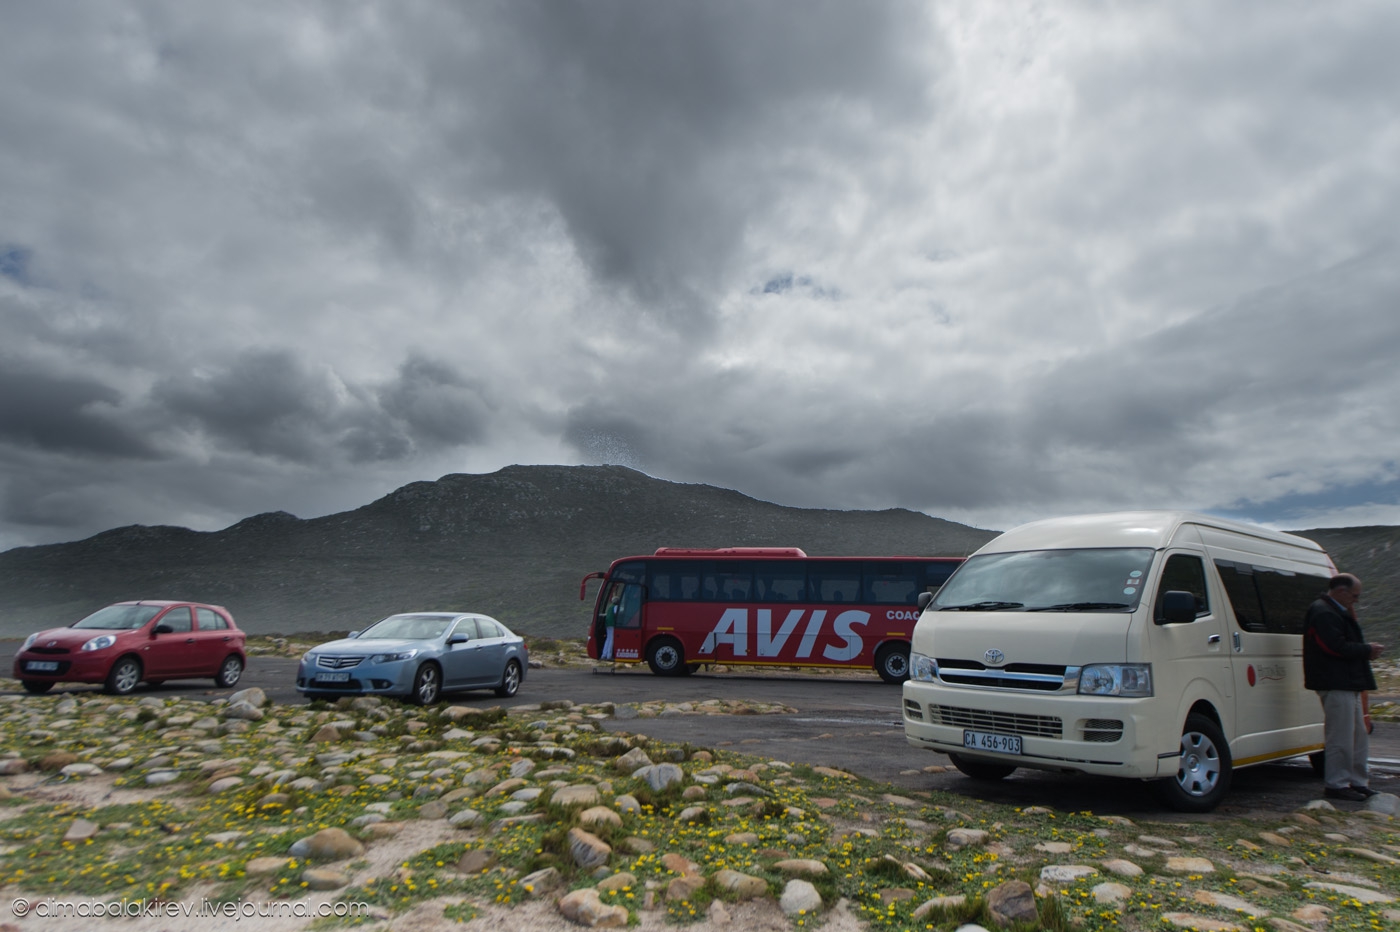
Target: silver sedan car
[{"x": 418, "y": 656}]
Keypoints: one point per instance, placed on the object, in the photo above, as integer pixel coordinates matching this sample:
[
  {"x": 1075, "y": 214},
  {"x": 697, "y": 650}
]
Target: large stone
[
  {"x": 81, "y": 769},
  {"x": 1189, "y": 865},
  {"x": 1200, "y": 923},
  {"x": 476, "y": 860},
  {"x": 633, "y": 760},
  {"x": 660, "y": 776},
  {"x": 949, "y": 901},
  {"x": 1111, "y": 894},
  {"x": 324, "y": 878},
  {"x": 1226, "y": 901},
  {"x": 254, "y": 696},
  {"x": 680, "y": 889},
  {"x": 1066, "y": 873},
  {"x": 743, "y": 886},
  {"x": 578, "y": 794},
  {"x": 326, "y": 734},
  {"x": 599, "y": 815},
  {"x": 1122, "y": 867},
  {"x": 541, "y": 881},
  {"x": 1013, "y": 901},
  {"x": 80, "y": 830},
  {"x": 965, "y": 837},
  {"x": 260, "y": 867},
  {"x": 807, "y": 866},
  {"x": 588, "y": 850},
  {"x": 680, "y": 864},
  {"x": 1357, "y": 893},
  {"x": 224, "y": 784},
  {"x": 620, "y": 881},
  {"x": 799, "y": 898},
  {"x": 584, "y": 907},
  {"x": 329, "y": 844},
  {"x": 243, "y": 711}
]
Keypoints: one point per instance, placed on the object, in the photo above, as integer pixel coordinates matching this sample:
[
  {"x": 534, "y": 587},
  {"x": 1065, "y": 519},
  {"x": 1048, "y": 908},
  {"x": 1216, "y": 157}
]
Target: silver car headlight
[
  {"x": 1131, "y": 680},
  {"x": 100, "y": 643},
  {"x": 28, "y": 641},
  {"x": 921, "y": 668},
  {"x": 397, "y": 655}
]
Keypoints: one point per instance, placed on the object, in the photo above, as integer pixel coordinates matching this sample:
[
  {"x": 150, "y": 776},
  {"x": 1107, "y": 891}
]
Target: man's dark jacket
[{"x": 1335, "y": 655}]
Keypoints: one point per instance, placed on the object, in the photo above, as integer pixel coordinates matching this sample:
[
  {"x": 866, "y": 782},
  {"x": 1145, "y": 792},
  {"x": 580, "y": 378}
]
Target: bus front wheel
[
  {"x": 666, "y": 657},
  {"x": 892, "y": 662}
]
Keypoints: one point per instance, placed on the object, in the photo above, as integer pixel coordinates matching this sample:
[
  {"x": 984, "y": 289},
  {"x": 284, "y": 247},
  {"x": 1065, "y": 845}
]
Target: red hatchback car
[{"x": 123, "y": 644}]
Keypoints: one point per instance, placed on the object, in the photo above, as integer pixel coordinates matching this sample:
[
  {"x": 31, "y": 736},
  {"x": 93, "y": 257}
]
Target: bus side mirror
[
  {"x": 1178, "y": 608},
  {"x": 924, "y": 599}
]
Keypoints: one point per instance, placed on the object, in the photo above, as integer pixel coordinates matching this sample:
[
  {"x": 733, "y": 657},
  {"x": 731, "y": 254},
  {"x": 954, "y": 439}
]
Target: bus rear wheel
[
  {"x": 666, "y": 657},
  {"x": 892, "y": 662}
]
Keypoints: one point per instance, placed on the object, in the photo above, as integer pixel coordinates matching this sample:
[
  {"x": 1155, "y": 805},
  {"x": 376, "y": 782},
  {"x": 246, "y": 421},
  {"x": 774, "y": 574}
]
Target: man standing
[{"x": 1337, "y": 666}]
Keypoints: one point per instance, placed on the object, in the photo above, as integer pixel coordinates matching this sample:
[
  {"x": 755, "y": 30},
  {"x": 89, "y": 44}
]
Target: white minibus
[{"x": 1155, "y": 645}]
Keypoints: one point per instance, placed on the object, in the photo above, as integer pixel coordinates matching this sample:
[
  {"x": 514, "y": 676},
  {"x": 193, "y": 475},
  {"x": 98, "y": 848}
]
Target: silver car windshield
[
  {"x": 1090, "y": 580},
  {"x": 408, "y": 628},
  {"x": 120, "y": 617}
]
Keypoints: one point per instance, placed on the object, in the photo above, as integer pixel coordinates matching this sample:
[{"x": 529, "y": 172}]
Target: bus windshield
[{"x": 1096, "y": 580}]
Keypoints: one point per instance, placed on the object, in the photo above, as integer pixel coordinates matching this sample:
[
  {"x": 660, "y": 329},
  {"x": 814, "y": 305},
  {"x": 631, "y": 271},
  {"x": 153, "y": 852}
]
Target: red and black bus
[{"x": 679, "y": 608}]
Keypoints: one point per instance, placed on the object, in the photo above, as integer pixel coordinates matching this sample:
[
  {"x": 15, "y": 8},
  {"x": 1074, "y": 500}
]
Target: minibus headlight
[
  {"x": 922, "y": 669},
  {"x": 1133, "y": 680}
]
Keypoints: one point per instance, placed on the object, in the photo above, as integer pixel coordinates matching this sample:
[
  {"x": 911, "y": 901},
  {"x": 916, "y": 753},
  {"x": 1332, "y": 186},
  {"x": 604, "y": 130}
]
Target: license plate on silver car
[
  {"x": 41, "y": 666},
  {"x": 1001, "y": 744},
  {"x": 332, "y": 677}
]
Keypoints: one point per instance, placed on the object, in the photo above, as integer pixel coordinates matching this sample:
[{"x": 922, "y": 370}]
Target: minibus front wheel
[
  {"x": 1203, "y": 770},
  {"x": 981, "y": 769}
]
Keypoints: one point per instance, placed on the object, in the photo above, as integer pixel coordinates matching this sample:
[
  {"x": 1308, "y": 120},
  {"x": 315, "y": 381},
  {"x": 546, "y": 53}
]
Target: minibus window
[
  {"x": 1090, "y": 580},
  {"x": 1184, "y": 573}
]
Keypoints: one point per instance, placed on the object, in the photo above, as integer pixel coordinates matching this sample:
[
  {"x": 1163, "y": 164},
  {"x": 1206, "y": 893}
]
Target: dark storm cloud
[
  {"x": 437, "y": 405},
  {"x": 64, "y": 414},
  {"x": 271, "y": 403},
  {"x": 657, "y": 129}
]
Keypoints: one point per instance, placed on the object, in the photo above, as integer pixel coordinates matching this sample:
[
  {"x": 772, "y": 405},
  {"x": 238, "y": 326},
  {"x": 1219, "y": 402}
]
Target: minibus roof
[{"x": 1154, "y": 529}]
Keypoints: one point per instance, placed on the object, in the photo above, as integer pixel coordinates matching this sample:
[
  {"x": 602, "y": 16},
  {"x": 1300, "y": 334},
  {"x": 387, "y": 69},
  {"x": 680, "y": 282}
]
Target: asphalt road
[{"x": 851, "y": 724}]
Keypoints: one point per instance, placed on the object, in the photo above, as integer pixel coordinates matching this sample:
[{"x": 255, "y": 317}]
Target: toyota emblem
[{"x": 994, "y": 657}]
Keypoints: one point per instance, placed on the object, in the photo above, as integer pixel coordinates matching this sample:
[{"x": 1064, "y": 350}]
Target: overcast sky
[{"x": 992, "y": 261}]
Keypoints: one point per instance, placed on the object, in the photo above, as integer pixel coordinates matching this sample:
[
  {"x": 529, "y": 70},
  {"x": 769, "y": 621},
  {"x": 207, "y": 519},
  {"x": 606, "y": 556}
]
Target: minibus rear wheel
[
  {"x": 980, "y": 769},
  {"x": 1203, "y": 770}
]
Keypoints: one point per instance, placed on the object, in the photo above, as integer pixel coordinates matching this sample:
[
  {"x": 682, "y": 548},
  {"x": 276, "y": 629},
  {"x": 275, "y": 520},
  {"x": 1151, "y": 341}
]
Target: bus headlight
[
  {"x": 922, "y": 669},
  {"x": 1132, "y": 680}
]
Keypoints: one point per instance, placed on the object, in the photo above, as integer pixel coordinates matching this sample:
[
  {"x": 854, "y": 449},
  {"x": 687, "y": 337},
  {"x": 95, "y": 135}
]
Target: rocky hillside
[{"x": 514, "y": 544}]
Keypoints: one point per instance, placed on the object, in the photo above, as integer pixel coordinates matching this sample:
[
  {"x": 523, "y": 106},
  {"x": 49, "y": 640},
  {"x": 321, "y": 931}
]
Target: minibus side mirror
[
  {"x": 924, "y": 599},
  {"x": 1178, "y": 608}
]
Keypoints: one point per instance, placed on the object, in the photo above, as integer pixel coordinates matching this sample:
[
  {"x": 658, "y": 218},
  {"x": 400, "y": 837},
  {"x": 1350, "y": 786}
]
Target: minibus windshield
[{"x": 1091, "y": 580}]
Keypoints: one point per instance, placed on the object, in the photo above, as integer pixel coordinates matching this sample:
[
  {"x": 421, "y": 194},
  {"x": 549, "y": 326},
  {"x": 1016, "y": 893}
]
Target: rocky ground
[{"x": 538, "y": 819}]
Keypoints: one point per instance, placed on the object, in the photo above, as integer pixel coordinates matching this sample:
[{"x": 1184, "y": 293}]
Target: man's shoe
[
  {"x": 1364, "y": 790},
  {"x": 1350, "y": 793}
]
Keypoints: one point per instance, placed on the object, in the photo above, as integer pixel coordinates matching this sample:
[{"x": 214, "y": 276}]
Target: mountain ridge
[{"x": 514, "y": 543}]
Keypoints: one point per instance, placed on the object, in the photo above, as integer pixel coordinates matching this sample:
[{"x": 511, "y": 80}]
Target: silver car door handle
[{"x": 1213, "y": 639}]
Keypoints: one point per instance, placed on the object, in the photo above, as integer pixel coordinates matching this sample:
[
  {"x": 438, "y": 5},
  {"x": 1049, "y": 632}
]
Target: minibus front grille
[
  {"x": 1103, "y": 730},
  {"x": 999, "y": 723},
  {"x": 1044, "y": 677}
]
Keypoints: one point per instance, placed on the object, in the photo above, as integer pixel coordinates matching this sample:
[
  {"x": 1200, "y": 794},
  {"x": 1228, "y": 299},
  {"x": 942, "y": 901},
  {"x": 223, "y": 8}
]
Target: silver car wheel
[
  {"x": 510, "y": 680},
  {"x": 230, "y": 672},
  {"x": 426, "y": 685}
]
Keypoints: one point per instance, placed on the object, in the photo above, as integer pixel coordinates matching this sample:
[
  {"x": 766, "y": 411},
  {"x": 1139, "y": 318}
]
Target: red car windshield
[{"x": 120, "y": 617}]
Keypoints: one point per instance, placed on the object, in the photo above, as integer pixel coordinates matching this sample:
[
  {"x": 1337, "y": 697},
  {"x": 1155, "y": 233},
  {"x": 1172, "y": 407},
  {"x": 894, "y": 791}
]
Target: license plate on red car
[
  {"x": 332, "y": 677},
  {"x": 41, "y": 666}
]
